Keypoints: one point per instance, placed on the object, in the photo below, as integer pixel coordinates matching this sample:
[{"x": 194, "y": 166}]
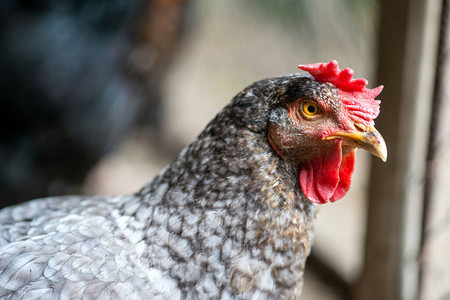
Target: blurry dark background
[
  {"x": 77, "y": 76},
  {"x": 98, "y": 96}
]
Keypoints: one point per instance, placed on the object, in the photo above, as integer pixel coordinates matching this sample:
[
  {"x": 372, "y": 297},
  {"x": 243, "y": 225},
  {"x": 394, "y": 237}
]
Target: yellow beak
[{"x": 367, "y": 138}]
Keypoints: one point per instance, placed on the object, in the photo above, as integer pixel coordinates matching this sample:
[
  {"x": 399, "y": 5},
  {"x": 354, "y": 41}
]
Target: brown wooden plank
[
  {"x": 434, "y": 273},
  {"x": 407, "y": 48}
]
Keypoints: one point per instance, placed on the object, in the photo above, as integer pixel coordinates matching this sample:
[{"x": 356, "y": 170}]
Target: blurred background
[{"x": 97, "y": 96}]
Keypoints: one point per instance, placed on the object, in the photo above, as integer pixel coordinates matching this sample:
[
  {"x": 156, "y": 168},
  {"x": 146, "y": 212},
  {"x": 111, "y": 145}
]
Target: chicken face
[{"x": 319, "y": 124}]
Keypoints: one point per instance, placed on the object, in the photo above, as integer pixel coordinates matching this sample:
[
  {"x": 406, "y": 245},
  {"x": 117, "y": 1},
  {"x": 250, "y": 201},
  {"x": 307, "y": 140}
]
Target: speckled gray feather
[{"x": 226, "y": 220}]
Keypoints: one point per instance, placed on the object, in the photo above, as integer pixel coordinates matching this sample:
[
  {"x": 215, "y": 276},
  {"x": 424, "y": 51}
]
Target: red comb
[{"x": 359, "y": 100}]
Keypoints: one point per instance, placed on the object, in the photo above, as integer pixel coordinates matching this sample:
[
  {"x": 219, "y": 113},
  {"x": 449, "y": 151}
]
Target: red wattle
[
  {"x": 328, "y": 177},
  {"x": 345, "y": 175},
  {"x": 320, "y": 177}
]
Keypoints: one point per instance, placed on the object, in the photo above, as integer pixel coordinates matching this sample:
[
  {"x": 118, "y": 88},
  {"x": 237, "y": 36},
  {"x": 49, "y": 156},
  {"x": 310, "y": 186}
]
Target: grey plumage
[{"x": 227, "y": 219}]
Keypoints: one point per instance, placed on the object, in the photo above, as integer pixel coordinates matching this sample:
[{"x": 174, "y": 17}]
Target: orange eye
[{"x": 310, "y": 109}]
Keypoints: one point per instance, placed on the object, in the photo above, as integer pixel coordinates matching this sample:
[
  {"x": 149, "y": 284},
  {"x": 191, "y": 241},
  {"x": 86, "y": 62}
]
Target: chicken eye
[{"x": 310, "y": 109}]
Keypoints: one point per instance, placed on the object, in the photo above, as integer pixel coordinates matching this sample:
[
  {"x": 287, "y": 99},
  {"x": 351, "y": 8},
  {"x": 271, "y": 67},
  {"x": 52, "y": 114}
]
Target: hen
[{"x": 231, "y": 217}]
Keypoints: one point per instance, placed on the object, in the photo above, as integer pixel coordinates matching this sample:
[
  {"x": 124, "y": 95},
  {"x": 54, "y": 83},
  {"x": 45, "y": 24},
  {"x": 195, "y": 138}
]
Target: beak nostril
[{"x": 361, "y": 127}]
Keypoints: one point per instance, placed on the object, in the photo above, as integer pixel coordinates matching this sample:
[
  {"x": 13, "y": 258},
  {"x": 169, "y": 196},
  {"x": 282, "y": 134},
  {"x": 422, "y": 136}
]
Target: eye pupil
[{"x": 309, "y": 109}]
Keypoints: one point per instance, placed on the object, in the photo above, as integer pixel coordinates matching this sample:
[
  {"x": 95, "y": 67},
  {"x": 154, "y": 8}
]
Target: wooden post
[
  {"x": 408, "y": 36},
  {"x": 436, "y": 222}
]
